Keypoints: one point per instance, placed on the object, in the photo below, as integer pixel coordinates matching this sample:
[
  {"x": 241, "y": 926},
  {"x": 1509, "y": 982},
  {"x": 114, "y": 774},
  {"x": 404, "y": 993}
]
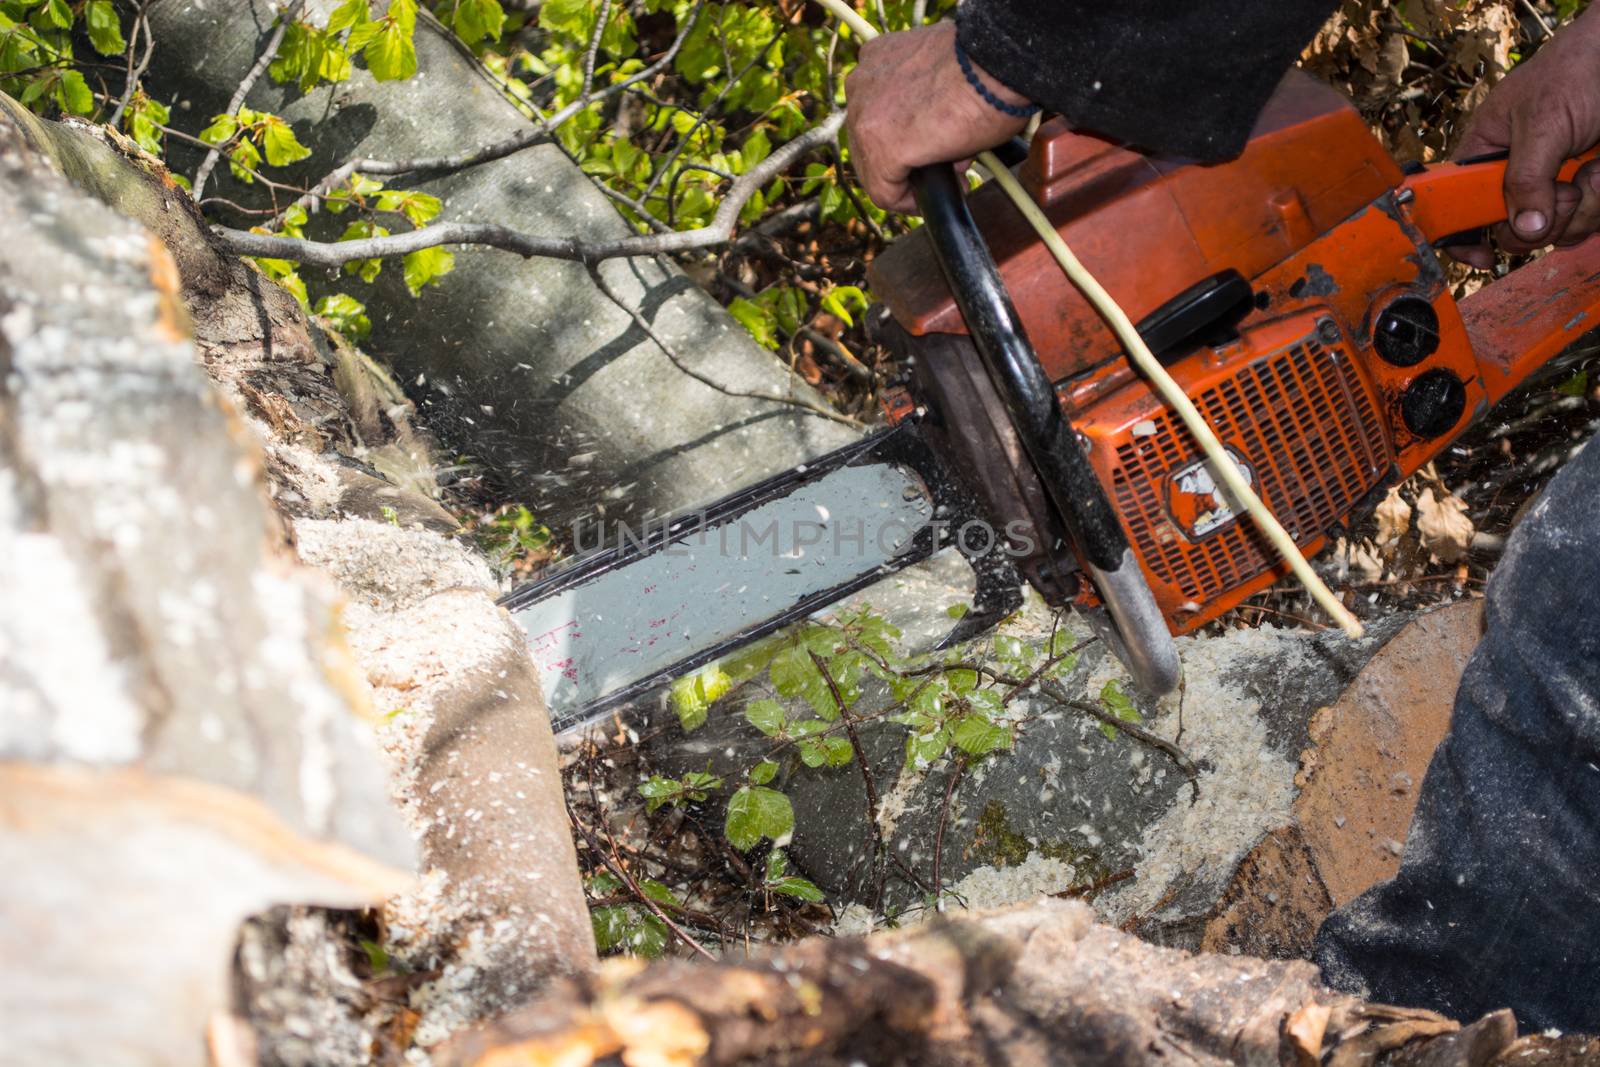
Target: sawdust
[
  {"x": 385, "y": 567},
  {"x": 1246, "y": 788}
]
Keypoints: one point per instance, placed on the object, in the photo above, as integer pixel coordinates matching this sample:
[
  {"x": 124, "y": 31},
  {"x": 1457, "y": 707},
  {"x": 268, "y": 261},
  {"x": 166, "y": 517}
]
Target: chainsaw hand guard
[{"x": 1139, "y": 633}]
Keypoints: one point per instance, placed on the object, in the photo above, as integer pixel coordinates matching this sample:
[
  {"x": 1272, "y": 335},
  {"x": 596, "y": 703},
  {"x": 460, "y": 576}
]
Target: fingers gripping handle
[
  {"x": 1452, "y": 201},
  {"x": 1146, "y": 643}
]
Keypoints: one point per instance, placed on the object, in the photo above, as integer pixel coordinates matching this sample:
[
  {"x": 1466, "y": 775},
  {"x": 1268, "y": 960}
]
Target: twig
[
  {"x": 1038, "y": 671},
  {"x": 944, "y": 817},
  {"x": 1538, "y": 16},
  {"x": 677, "y": 361},
  {"x": 613, "y": 863},
  {"x": 141, "y": 23},
  {"x": 594, "y": 47},
  {"x": 875, "y": 841},
  {"x": 718, "y": 231},
  {"x": 1133, "y": 730},
  {"x": 535, "y": 134},
  {"x": 203, "y": 173},
  {"x": 1099, "y": 884}
]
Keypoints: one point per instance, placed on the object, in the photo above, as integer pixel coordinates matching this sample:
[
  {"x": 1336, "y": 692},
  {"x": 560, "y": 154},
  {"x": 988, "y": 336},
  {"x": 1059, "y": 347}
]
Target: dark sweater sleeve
[{"x": 1176, "y": 77}]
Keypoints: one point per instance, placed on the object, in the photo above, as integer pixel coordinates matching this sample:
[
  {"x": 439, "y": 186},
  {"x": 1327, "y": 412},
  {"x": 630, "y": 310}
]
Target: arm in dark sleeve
[{"x": 1176, "y": 77}]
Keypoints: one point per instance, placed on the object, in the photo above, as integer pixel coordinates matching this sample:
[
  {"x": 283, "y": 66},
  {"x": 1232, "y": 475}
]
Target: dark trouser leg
[{"x": 1497, "y": 901}]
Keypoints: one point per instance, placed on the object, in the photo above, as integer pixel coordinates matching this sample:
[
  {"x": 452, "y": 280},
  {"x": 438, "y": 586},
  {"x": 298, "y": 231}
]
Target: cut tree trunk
[
  {"x": 181, "y": 706},
  {"x": 179, "y": 733},
  {"x": 1041, "y": 985},
  {"x": 524, "y": 364}
]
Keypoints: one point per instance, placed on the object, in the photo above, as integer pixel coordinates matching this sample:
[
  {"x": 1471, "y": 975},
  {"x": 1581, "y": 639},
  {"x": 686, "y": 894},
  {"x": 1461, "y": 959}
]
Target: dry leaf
[
  {"x": 1305, "y": 1029},
  {"x": 1443, "y": 525},
  {"x": 1394, "y": 518}
]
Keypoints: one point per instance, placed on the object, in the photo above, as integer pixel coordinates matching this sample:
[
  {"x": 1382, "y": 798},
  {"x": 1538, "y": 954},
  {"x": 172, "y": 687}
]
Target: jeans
[{"x": 1497, "y": 900}]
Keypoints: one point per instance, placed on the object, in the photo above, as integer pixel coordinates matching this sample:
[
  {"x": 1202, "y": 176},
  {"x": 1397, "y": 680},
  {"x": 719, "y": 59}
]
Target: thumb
[{"x": 1537, "y": 151}]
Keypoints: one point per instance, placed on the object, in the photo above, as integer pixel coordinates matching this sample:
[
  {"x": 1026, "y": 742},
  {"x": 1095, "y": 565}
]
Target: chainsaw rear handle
[
  {"x": 1452, "y": 202},
  {"x": 1146, "y": 644}
]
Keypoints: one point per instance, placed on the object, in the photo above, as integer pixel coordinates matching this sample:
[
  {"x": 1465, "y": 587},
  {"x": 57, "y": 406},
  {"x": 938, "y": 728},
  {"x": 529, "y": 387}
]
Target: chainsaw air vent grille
[{"x": 1307, "y": 428}]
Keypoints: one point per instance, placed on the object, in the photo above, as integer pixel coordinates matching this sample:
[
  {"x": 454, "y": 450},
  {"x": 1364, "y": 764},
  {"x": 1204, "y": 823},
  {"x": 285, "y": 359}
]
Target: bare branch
[
  {"x": 141, "y": 23},
  {"x": 717, "y": 232},
  {"x": 202, "y": 174},
  {"x": 532, "y": 135},
  {"x": 594, "y": 48}
]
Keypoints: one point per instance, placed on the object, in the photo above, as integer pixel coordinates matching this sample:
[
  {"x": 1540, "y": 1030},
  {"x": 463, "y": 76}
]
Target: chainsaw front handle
[
  {"x": 1141, "y": 638},
  {"x": 1452, "y": 201}
]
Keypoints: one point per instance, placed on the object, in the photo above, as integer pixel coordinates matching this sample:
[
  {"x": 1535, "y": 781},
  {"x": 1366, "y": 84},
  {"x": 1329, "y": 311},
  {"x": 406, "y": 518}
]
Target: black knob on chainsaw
[
  {"x": 1433, "y": 403},
  {"x": 1407, "y": 331}
]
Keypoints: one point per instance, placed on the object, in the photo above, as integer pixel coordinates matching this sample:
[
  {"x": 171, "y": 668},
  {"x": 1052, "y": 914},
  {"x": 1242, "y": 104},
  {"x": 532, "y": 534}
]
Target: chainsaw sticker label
[{"x": 1197, "y": 503}]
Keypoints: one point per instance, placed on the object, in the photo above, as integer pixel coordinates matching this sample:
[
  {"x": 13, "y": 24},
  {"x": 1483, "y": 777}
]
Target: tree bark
[
  {"x": 1044, "y": 984},
  {"x": 524, "y": 364},
  {"x": 155, "y": 618}
]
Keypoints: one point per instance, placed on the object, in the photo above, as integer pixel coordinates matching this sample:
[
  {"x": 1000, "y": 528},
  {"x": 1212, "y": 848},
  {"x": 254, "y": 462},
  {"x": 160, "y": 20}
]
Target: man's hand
[
  {"x": 910, "y": 106},
  {"x": 1545, "y": 111}
]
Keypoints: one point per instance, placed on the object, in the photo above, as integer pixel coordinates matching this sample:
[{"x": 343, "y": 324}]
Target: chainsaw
[{"x": 1294, "y": 293}]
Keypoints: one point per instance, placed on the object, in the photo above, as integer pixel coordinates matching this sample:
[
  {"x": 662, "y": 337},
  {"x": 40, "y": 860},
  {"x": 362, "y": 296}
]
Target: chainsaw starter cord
[{"x": 1219, "y": 462}]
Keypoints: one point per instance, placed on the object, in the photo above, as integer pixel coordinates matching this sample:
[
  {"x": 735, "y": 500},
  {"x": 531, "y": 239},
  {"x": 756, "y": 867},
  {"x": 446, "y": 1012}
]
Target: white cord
[{"x": 1219, "y": 461}]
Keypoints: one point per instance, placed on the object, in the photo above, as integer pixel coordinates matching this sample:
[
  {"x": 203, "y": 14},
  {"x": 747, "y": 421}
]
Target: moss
[{"x": 996, "y": 842}]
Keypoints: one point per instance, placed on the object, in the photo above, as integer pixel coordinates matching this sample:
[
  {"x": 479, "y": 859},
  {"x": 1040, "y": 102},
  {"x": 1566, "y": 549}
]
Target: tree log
[
  {"x": 1043, "y": 984},
  {"x": 526, "y": 364}
]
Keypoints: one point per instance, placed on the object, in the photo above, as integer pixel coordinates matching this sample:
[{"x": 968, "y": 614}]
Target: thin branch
[
  {"x": 141, "y": 24},
  {"x": 594, "y": 48},
  {"x": 613, "y": 863},
  {"x": 537, "y": 133},
  {"x": 1133, "y": 730},
  {"x": 944, "y": 817},
  {"x": 1039, "y": 671},
  {"x": 875, "y": 830},
  {"x": 202, "y": 174},
  {"x": 718, "y": 231}
]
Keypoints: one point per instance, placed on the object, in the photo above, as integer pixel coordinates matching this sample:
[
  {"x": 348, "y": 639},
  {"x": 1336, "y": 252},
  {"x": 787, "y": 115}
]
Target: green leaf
[
  {"x": 977, "y": 736},
  {"x": 390, "y": 52},
  {"x": 1114, "y": 700},
  {"x": 763, "y": 772},
  {"x": 55, "y": 13},
  {"x": 345, "y": 314},
  {"x": 795, "y": 886},
  {"x": 349, "y": 14},
  {"x": 418, "y": 208},
  {"x": 766, "y": 715},
  {"x": 756, "y": 812},
  {"x": 691, "y": 697},
  {"x": 761, "y": 323},
  {"x": 74, "y": 94},
  {"x": 427, "y": 265},
  {"x": 826, "y": 752},
  {"x": 221, "y": 129},
  {"x": 368, "y": 269},
  {"x": 777, "y": 864},
  {"x": 105, "y": 29},
  {"x": 473, "y": 20},
  {"x": 244, "y": 160},
  {"x": 923, "y": 748},
  {"x": 281, "y": 145}
]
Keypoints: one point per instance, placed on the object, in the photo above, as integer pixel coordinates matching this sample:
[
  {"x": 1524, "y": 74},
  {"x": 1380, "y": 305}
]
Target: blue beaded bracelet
[{"x": 983, "y": 90}]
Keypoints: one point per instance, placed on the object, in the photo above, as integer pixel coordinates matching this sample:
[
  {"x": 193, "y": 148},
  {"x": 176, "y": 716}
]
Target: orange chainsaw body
[{"x": 1347, "y": 366}]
